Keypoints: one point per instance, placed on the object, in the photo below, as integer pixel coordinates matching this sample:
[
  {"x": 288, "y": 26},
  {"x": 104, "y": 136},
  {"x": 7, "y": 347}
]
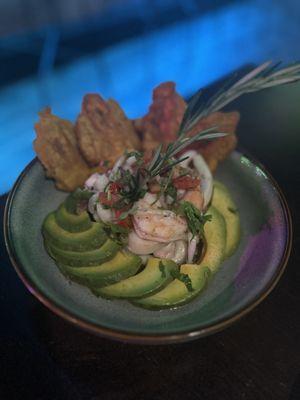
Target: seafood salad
[
  {"x": 157, "y": 211},
  {"x": 151, "y": 228}
]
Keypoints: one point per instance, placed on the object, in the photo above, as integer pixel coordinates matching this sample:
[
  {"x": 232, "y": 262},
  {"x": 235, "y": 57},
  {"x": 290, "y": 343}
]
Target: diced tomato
[
  {"x": 114, "y": 188},
  {"x": 186, "y": 182},
  {"x": 118, "y": 213},
  {"x": 126, "y": 222},
  {"x": 108, "y": 199}
]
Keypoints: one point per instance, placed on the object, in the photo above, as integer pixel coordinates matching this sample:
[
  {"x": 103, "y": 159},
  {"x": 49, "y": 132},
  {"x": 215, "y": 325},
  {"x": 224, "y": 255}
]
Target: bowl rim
[{"x": 143, "y": 338}]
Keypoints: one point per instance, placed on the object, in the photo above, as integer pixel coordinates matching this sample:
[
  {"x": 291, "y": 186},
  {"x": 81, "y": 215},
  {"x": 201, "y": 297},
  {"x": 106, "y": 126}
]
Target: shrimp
[
  {"x": 175, "y": 251},
  {"x": 158, "y": 225},
  {"x": 142, "y": 246},
  {"x": 195, "y": 197}
]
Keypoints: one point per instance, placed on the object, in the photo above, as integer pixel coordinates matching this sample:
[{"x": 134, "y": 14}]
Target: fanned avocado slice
[
  {"x": 90, "y": 239},
  {"x": 87, "y": 258},
  {"x": 177, "y": 293},
  {"x": 76, "y": 199},
  {"x": 72, "y": 222},
  {"x": 223, "y": 202},
  {"x": 215, "y": 236},
  {"x": 123, "y": 265},
  {"x": 156, "y": 274}
]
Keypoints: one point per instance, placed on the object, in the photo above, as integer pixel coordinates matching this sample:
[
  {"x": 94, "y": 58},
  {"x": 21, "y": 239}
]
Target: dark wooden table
[{"x": 258, "y": 358}]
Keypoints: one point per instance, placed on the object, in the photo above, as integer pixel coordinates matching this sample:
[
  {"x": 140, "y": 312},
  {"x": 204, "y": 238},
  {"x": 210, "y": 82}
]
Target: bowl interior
[{"x": 241, "y": 280}]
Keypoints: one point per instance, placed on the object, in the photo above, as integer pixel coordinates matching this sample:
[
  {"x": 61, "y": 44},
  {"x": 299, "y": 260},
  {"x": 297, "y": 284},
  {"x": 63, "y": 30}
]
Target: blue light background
[{"x": 192, "y": 53}]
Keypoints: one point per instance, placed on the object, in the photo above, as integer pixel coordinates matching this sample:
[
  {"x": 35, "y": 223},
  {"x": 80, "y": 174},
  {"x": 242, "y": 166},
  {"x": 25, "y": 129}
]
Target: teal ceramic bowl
[{"x": 242, "y": 282}]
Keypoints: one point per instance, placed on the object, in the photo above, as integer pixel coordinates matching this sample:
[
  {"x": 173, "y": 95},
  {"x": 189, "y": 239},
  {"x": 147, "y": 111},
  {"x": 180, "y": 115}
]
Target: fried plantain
[
  {"x": 217, "y": 150},
  {"x": 162, "y": 122},
  {"x": 57, "y": 150},
  {"x": 103, "y": 130}
]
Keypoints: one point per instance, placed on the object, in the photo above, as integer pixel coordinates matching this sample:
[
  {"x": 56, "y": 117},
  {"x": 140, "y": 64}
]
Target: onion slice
[
  {"x": 206, "y": 179},
  {"x": 92, "y": 203},
  {"x": 116, "y": 166},
  {"x": 192, "y": 246},
  {"x": 90, "y": 182},
  {"x": 141, "y": 246},
  {"x": 105, "y": 215}
]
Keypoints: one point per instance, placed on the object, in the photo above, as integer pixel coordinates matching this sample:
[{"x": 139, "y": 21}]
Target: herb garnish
[
  {"x": 116, "y": 232},
  {"x": 195, "y": 219},
  {"x": 232, "y": 210},
  {"x": 137, "y": 154},
  {"x": 172, "y": 192},
  {"x": 131, "y": 188},
  {"x": 163, "y": 162},
  {"x": 264, "y": 76},
  {"x": 184, "y": 278}
]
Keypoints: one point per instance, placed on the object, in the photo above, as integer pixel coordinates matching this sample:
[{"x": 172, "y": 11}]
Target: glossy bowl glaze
[{"x": 242, "y": 282}]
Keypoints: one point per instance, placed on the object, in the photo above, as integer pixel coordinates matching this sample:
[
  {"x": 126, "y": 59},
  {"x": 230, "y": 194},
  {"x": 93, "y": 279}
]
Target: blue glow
[{"x": 193, "y": 53}]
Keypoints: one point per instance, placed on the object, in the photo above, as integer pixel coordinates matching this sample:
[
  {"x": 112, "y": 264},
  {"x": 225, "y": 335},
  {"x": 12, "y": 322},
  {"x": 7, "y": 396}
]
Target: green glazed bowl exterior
[{"x": 242, "y": 282}]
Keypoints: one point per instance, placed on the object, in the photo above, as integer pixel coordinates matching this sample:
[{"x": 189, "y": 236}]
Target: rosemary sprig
[
  {"x": 162, "y": 161},
  {"x": 264, "y": 76}
]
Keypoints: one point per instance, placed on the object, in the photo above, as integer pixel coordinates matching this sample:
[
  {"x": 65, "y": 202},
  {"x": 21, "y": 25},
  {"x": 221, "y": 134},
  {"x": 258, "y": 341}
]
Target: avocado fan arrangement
[{"x": 85, "y": 253}]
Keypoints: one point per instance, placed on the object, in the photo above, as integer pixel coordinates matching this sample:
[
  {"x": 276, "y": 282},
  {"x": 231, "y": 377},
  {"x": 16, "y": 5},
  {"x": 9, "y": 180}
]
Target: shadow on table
[{"x": 295, "y": 392}]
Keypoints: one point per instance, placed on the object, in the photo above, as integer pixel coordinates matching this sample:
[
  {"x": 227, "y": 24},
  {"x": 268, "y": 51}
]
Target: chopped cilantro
[
  {"x": 184, "y": 278},
  {"x": 116, "y": 232},
  {"x": 172, "y": 192},
  {"x": 195, "y": 219},
  {"x": 131, "y": 187},
  {"x": 134, "y": 153}
]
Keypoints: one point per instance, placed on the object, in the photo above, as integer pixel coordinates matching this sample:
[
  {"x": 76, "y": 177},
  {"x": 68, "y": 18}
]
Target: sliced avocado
[
  {"x": 90, "y": 239},
  {"x": 215, "y": 235},
  {"x": 75, "y": 200},
  {"x": 123, "y": 265},
  {"x": 153, "y": 277},
  {"x": 177, "y": 293},
  {"x": 223, "y": 202},
  {"x": 72, "y": 222},
  {"x": 87, "y": 258}
]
